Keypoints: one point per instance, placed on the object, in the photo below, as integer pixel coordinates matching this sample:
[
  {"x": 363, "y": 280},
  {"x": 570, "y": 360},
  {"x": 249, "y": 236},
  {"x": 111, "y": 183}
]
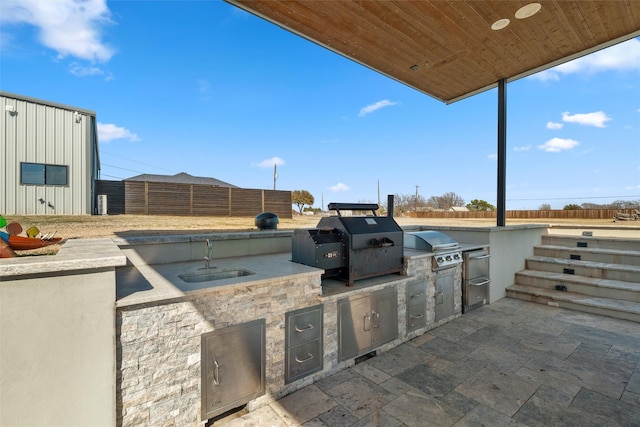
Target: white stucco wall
[{"x": 57, "y": 353}]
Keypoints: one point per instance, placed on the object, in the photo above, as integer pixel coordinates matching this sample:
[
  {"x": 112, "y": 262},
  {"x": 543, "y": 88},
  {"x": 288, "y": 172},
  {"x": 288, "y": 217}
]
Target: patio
[{"x": 509, "y": 363}]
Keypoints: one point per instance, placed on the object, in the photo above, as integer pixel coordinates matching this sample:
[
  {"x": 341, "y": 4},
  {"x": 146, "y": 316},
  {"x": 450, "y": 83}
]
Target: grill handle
[
  {"x": 382, "y": 243},
  {"x": 353, "y": 207}
]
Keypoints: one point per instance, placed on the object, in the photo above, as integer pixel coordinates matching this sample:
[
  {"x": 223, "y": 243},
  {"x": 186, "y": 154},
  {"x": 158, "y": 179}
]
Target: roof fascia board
[{"x": 48, "y": 103}]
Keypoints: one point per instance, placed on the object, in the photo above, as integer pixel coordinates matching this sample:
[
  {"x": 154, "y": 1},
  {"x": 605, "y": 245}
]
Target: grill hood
[{"x": 429, "y": 241}]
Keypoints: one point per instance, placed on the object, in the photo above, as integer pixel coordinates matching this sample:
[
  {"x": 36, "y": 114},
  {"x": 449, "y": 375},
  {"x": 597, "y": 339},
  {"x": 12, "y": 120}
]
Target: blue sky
[{"x": 204, "y": 88}]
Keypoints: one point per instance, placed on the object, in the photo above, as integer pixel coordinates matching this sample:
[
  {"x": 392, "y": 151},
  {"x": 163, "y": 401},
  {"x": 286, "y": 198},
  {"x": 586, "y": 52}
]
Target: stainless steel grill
[
  {"x": 447, "y": 252},
  {"x": 447, "y": 255}
]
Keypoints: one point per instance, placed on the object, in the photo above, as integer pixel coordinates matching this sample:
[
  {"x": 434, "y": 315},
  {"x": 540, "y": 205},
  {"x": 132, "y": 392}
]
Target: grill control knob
[
  {"x": 456, "y": 256},
  {"x": 448, "y": 257},
  {"x": 439, "y": 260}
]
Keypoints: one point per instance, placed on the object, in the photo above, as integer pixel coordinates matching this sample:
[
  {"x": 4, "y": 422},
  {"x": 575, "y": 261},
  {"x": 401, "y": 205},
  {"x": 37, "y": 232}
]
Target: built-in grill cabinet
[
  {"x": 476, "y": 279},
  {"x": 232, "y": 367},
  {"x": 374, "y": 244},
  {"x": 303, "y": 342},
  {"x": 366, "y": 321}
]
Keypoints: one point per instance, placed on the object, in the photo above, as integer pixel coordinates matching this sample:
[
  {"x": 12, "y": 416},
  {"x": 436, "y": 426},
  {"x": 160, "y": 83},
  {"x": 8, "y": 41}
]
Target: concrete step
[
  {"x": 599, "y": 270},
  {"x": 618, "y": 243},
  {"x": 627, "y": 310},
  {"x": 602, "y": 288},
  {"x": 609, "y": 256}
]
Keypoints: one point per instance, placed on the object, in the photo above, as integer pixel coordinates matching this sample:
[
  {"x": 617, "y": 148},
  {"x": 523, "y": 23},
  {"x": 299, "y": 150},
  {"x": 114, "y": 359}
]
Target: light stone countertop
[
  {"x": 75, "y": 254},
  {"x": 140, "y": 283}
]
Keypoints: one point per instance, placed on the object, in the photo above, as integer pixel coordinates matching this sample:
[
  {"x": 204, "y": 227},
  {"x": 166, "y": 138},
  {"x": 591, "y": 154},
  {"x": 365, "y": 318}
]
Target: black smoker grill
[{"x": 351, "y": 247}]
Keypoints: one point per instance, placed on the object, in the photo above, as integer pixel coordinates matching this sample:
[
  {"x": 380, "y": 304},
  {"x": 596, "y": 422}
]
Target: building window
[{"x": 41, "y": 174}]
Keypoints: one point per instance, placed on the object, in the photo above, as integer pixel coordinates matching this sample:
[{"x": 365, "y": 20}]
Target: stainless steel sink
[{"x": 210, "y": 275}]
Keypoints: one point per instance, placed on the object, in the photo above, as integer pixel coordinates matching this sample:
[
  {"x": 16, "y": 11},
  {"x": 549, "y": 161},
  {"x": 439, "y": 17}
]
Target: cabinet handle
[
  {"x": 481, "y": 257},
  {"x": 309, "y": 326},
  {"x": 364, "y": 322},
  {"x": 309, "y": 357},
  {"x": 216, "y": 372},
  {"x": 481, "y": 283},
  {"x": 416, "y": 295},
  {"x": 376, "y": 316},
  {"x": 417, "y": 316}
]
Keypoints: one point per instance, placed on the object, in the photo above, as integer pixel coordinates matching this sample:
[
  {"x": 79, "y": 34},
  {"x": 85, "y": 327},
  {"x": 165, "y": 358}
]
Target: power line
[
  {"x": 124, "y": 169},
  {"x": 111, "y": 176},
  {"x": 136, "y": 161}
]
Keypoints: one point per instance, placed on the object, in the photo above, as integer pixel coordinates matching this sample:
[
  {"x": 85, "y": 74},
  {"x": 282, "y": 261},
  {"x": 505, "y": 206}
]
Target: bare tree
[{"x": 446, "y": 201}]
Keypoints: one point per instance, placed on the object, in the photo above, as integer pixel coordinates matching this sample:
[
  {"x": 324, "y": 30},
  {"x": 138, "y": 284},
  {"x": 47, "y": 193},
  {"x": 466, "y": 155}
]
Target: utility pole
[
  {"x": 415, "y": 201},
  {"x": 275, "y": 175}
]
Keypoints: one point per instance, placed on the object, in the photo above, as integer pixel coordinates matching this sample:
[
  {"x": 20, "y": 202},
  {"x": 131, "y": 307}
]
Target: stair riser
[
  {"x": 596, "y": 272},
  {"x": 572, "y": 242},
  {"x": 575, "y": 306},
  {"x": 580, "y": 288},
  {"x": 625, "y": 259}
]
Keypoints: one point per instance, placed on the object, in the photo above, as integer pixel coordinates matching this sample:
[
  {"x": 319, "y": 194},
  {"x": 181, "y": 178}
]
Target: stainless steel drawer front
[
  {"x": 416, "y": 292},
  {"x": 304, "y": 359},
  {"x": 416, "y": 305},
  {"x": 416, "y": 316},
  {"x": 303, "y": 342},
  {"x": 477, "y": 264},
  {"x": 304, "y": 326},
  {"x": 476, "y": 275}
]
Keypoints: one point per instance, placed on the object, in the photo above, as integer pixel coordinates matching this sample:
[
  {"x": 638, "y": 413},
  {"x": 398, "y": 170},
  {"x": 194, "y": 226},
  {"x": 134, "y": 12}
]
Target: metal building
[{"x": 49, "y": 155}]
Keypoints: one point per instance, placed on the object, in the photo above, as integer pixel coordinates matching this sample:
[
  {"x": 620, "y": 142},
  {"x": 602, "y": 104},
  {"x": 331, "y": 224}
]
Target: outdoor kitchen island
[{"x": 172, "y": 347}]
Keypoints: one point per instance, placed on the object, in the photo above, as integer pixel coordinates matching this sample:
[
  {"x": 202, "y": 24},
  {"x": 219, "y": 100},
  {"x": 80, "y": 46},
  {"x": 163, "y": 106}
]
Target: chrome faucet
[{"x": 209, "y": 254}]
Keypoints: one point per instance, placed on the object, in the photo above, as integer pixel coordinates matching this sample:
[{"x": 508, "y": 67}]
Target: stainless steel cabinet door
[
  {"x": 233, "y": 367},
  {"x": 354, "y": 326},
  {"x": 384, "y": 316},
  {"x": 444, "y": 293}
]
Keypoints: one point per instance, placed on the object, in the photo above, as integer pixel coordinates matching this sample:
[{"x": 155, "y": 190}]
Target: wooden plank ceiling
[{"x": 447, "y": 49}]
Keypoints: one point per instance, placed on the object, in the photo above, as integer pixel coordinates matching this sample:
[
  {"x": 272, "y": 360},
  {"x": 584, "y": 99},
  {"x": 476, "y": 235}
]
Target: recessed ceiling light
[
  {"x": 500, "y": 24},
  {"x": 528, "y": 10}
]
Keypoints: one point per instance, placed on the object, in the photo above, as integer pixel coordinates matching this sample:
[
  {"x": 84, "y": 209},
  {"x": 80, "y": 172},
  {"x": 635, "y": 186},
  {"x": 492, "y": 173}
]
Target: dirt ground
[
  {"x": 106, "y": 226},
  {"x": 95, "y": 226}
]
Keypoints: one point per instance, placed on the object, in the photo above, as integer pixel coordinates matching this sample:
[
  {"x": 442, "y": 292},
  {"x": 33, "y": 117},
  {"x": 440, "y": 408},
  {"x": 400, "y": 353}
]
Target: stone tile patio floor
[{"x": 511, "y": 363}]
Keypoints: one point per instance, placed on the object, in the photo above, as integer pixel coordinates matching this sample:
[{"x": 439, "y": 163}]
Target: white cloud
[
  {"x": 621, "y": 57},
  {"x": 522, "y": 148},
  {"x": 492, "y": 157},
  {"x": 70, "y": 27},
  {"x": 81, "y": 71},
  {"x": 339, "y": 187},
  {"x": 556, "y": 145},
  {"x": 546, "y": 75},
  {"x": 108, "y": 132},
  {"x": 597, "y": 119},
  {"x": 269, "y": 163},
  {"x": 374, "y": 107},
  {"x": 554, "y": 126}
]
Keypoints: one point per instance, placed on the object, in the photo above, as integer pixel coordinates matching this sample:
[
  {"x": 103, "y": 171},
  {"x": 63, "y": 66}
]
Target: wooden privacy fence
[
  {"x": 527, "y": 214},
  {"x": 155, "y": 198}
]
